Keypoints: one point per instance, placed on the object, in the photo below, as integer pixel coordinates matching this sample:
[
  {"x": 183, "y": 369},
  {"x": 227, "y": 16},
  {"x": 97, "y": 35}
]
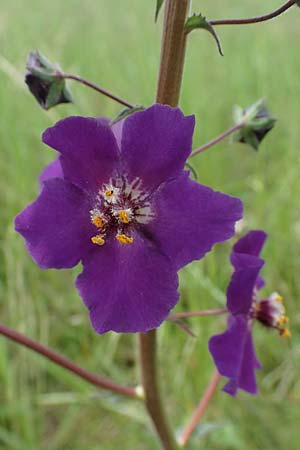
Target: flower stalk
[
  {"x": 200, "y": 410},
  {"x": 204, "y": 312},
  {"x": 217, "y": 139},
  {"x": 65, "y": 363},
  {"x": 257, "y": 19},
  {"x": 69, "y": 76}
]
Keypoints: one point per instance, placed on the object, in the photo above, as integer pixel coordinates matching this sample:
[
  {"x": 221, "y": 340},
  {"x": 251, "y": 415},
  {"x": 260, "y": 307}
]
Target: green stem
[{"x": 154, "y": 405}]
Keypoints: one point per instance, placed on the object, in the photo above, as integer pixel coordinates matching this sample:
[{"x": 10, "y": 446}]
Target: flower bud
[
  {"x": 257, "y": 122},
  {"x": 44, "y": 80}
]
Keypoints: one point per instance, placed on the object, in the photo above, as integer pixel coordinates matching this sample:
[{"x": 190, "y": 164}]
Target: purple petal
[
  {"x": 246, "y": 379},
  {"x": 241, "y": 288},
  {"x": 156, "y": 143},
  {"x": 234, "y": 356},
  {"x": 251, "y": 244},
  {"x": 57, "y": 226},
  {"x": 52, "y": 170},
  {"x": 89, "y": 151},
  {"x": 127, "y": 288},
  {"x": 190, "y": 218}
]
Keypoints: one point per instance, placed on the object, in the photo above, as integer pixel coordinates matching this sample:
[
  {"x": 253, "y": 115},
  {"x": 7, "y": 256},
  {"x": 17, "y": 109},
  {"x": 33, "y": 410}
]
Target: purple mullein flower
[
  {"x": 233, "y": 351},
  {"x": 119, "y": 200}
]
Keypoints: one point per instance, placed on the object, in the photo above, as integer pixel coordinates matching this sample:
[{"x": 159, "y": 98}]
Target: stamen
[
  {"x": 108, "y": 192},
  {"x": 283, "y": 320},
  {"x": 98, "y": 221},
  {"x": 123, "y": 216},
  {"x": 285, "y": 333},
  {"x": 123, "y": 239},
  {"x": 98, "y": 239}
]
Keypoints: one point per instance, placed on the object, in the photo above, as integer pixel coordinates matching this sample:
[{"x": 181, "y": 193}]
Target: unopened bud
[{"x": 45, "y": 82}]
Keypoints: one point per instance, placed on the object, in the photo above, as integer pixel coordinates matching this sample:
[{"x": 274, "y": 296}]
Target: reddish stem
[
  {"x": 69, "y": 76},
  {"x": 258, "y": 19},
  {"x": 60, "y": 360},
  {"x": 217, "y": 139},
  {"x": 204, "y": 312},
  {"x": 200, "y": 409}
]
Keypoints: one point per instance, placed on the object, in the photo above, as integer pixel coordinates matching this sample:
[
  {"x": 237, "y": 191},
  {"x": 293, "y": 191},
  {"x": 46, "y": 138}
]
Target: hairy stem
[
  {"x": 204, "y": 312},
  {"x": 172, "y": 52},
  {"x": 61, "y": 361},
  {"x": 168, "y": 91},
  {"x": 217, "y": 139},
  {"x": 258, "y": 19},
  {"x": 200, "y": 410},
  {"x": 147, "y": 346},
  {"x": 69, "y": 76}
]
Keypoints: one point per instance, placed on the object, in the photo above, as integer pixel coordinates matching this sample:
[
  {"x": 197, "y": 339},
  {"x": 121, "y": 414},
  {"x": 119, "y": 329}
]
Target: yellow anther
[
  {"x": 108, "y": 192},
  {"x": 283, "y": 319},
  {"x": 98, "y": 240},
  {"x": 98, "y": 221},
  {"x": 123, "y": 239},
  {"x": 123, "y": 217},
  {"x": 285, "y": 333},
  {"x": 279, "y": 298}
]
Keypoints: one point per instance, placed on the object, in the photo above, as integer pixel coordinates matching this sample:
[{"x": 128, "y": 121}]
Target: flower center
[
  {"x": 271, "y": 313},
  {"x": 119, "y": 207}
]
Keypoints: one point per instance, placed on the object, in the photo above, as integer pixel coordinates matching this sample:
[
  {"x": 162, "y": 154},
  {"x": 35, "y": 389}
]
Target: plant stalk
[
  {"x": 70, "y": 76},
  {"x": 257, "y": 19},
  {"x": 154, "y": 405},
  {"x": 200, "y": 409},
  {"x": 65, "y": 363},
  {"x": 172, "y": 52},
  {"x": 168, "y": 91}
]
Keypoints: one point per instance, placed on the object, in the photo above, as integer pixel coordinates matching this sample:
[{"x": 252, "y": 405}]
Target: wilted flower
[
  {"x": 233, "y": 351},
  {"x": 121, "y": 202}
]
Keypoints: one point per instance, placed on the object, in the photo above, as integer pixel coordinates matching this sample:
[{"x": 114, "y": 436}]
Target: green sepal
[
  {"x": 257, "y": 122},
  {"x": 198, "y": 21},
  {"x": 192, "y": 169},
  {"x": 126, "y": 112},
  {"x": 159, "y": 4}
]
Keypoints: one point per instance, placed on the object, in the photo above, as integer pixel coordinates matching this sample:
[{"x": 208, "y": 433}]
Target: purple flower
[
  {"x": 120, "y": 201},
  {"x": 233, "y": 351}
]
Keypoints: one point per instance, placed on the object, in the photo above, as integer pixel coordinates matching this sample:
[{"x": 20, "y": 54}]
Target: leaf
[
  {"x": 126, "y": 112},
  {"x": 199, "y": 22},
  {"x": 159, "y": 4}
]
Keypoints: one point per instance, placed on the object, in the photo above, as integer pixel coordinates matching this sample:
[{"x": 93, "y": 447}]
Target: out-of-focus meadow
[{"x": 117, "y": 45}]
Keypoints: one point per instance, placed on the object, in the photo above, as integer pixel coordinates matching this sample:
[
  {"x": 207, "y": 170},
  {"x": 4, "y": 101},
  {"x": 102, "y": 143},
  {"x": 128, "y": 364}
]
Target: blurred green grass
[{"x": 117, "y": 45}]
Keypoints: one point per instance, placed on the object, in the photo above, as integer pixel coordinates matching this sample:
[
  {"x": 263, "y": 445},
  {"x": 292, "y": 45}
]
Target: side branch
[
  {"x": 200, "y": 410},
  {"x": 204, "y": 312},
  {"x": 69, "y": 76},
  {"x": 60, "y": 360},
  {"x": 217, "y": 139},
  {"x": 258, "y": 19}
]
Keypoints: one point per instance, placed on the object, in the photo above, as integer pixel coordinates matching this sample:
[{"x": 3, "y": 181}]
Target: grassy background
[{"x": 117, "y": 44}]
